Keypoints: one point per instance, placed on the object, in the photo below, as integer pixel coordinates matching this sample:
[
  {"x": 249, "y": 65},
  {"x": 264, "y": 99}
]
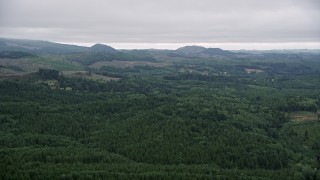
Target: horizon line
[
  {"x": 226, "y": 45},
  {"x": 172, "y": 46}
]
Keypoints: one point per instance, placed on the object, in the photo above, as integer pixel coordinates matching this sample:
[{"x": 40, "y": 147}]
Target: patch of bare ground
[
  {"x": 13, "y": 76},
  {"x": 303, "y": 116},
  {"x": 87, "y": 75},
  {"x": 126, "y": 64},
  {"x": 24, "y": 64},
  {"x": 249, "y": 71}
]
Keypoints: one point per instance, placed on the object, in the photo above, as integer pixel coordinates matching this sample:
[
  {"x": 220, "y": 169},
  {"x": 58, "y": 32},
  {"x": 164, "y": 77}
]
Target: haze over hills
[
  {"x": 50, "y": 47},
  {"x": 100, "y": 54},
  {"x": 159, "y": 90},
  {"x": 38, "y": 46},
  {"x": 69, "y": 112}
]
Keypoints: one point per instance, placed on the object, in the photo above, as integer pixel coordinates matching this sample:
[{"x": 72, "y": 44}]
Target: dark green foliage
[
  {"x": 197, "y": 119},
  {"x": 48, "y": 73},
  {"x": 138, "y": 136}
]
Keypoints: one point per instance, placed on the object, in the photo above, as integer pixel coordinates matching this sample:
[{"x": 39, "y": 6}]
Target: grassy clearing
[
  {"x": 303, "y": 116},
  {"x": 25, "y": 65},
  {"x": 6, "y": 72},
  {"x": 249, "y": 71},
  {"x": 34, "y": 63}
]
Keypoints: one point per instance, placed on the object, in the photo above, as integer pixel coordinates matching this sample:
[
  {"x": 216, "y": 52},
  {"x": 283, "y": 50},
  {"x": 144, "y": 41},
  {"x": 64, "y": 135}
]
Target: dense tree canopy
[{"x": 196, "y": 119}]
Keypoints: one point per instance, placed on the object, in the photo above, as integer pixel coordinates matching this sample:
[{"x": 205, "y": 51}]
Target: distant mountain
[
  {"x": 199, "y": 50},
  {"x": 35, "y": 46},
  {"x": 217, "y": 51},
  {"x": 102, "y": 48},
  {"x": 191, "y": 49}
]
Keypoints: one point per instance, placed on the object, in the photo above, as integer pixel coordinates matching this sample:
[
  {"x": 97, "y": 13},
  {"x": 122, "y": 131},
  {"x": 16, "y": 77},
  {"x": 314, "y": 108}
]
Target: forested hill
[
  {"x": 39, "y": 46},
  {"x": 158, "y": 114},
  {"x": 198, "y": 50}
]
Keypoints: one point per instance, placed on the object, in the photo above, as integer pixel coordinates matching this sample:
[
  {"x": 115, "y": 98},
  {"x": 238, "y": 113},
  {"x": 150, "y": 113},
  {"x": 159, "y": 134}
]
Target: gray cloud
[{"x": 161, "y": 21}]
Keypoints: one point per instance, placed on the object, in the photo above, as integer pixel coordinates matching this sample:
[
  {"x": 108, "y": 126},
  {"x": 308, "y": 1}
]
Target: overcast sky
[{"x": 251, "y": 24}]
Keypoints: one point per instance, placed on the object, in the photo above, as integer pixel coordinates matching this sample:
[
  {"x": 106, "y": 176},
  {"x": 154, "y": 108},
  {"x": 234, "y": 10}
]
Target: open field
[
  {"x": 33, "y": 64},
  {"x": 303, "y": 116},
  {"x": 58, "y": 64},
  {"x": 25, "y": 64},
  {"x": 6, "y": 76},
  {"x": 249, "y": 71}
]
